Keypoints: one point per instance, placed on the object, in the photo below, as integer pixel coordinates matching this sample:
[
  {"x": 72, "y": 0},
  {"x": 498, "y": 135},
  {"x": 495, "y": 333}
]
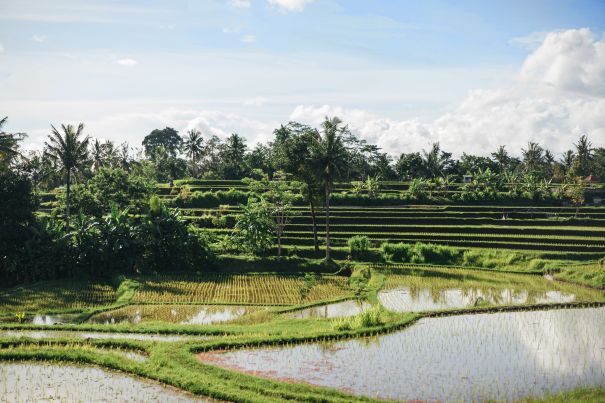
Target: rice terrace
[{"x": 302, "y": 200}]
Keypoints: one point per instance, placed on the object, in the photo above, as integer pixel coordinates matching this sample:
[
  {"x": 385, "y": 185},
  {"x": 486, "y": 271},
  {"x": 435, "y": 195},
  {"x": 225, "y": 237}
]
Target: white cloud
[
  {"x": 560, "y": 93},
  {"x": 572, "y": 60},
  {"x": 530, "y": 41},
  {"x": 39, "y": 38},
  {"x": 127, "y": 62},
  {"x": 248, "y": 38},
  {"x": 1, "y": 48},
  {"x": 240, "y": 3},
  {"x": 290, "y": 5}
]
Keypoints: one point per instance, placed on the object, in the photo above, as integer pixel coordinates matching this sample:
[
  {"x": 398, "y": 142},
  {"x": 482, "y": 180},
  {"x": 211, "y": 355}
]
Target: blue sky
[{"x": 396, "y": 69}]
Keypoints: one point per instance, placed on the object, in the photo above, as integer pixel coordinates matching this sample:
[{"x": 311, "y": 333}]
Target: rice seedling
[
  {"x": 260, "y": 289},
  {"x": 504, "y": 356}
]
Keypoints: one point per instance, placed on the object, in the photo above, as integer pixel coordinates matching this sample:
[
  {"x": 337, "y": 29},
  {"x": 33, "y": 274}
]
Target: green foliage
[
  {"x": 420, "y": 253},
  {"x": 359, "y": 247},
  {"x": 109, "y": 186},
  {"x": 167, "y": 139},
  {"x": 254, "y": 228},
  {"x": 372, "y": 317}
]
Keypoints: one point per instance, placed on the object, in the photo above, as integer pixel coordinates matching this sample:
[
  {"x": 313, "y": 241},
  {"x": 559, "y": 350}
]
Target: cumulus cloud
[
  {"x": 127, "y": 62},
  {"x": 559, "y": 94},
  {"x": 290, "y": 5}
]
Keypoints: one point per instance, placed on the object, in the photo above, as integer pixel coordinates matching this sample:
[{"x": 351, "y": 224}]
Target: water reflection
[
  {"x": 335, "y": 310},
  {"x": 406, "y": 299},
  {"x": 502, "y": 356},
  {"x": 182, "y": 314}
]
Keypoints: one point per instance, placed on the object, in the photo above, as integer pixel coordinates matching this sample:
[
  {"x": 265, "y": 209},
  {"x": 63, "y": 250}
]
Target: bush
[
  {"x": 420, "y": 253},
  {"x": 359, "y": 246},
  {"x": 396, "y": 252}
]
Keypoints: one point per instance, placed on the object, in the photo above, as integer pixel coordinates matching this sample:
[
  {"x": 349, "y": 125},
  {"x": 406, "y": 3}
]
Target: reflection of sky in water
[
  {"x": 30, "y": 382},
  {"x": 207, "y": 316},
  {"x": 336, "y": 310},
  {"x": 404, "y": 299},
  {"x": 472, "y": 357},
  {"x": 52, "y": 334}
]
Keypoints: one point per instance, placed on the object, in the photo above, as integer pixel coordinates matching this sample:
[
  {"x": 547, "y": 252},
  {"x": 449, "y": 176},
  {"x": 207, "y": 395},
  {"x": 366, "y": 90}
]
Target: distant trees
[
  {"x": 167, "y": 140},
  {"x": 68, "y": 149},
  {"x": 9, "y": 144}
]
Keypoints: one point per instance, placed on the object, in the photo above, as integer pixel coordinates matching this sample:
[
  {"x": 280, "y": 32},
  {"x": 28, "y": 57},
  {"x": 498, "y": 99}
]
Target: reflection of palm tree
[{"x": 69, "y": 151}]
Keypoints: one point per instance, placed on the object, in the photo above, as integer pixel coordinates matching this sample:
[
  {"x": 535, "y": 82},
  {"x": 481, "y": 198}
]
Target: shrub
[
  {"x": 359, "y": 246},
  {"x": 396, "y": 252},
  {"x": 420, "y": 253}
]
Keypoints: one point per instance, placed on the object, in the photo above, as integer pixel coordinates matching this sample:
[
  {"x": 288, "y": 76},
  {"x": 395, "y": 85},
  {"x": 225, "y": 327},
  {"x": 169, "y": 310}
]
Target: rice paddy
[
  {"x": 437, "y": 289},
  {"x": 262, "y": 289},
  {"x": 34, "y": 382},
  {"x": 181, "y": 314},
  {"x": 504, "y": 356}
]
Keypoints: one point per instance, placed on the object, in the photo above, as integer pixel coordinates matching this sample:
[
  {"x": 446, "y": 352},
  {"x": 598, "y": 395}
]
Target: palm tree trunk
[
  {"x": 327, "y": 220},
  {"x": 279, "y": 243},
  {"x": 67, "y": 196},
  {"x": 313, "y": 219}
]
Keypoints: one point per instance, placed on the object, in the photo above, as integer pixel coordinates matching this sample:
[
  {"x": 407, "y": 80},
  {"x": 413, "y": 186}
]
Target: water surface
[
  {"x": 181, "y": 314},
  {"x": 35, "y": 382},
  {"x": 503, "y": 356},
  {"x": 335, "y": 310}
]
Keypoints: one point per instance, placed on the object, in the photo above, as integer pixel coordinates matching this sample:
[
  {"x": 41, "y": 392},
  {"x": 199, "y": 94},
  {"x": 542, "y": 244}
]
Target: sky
[{"x": 471, "y": 75}]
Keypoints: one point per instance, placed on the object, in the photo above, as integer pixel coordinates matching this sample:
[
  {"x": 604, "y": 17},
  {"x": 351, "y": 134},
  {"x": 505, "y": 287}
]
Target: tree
[
  {"x": 582, "y": 163},
  {"x": 436, "y": 162},
  {"x": 254, "y": 228},
  {"x": 9, "y": 144},
  {"x": 292, "y": 154},
  {"x": 69, "y": 151},
  {"x": 501, "y": 158},
  {"x": 330, "y": 154},
  {"x": 575, "y": 193},
  {"x": 231, "y": 157},
  {"x": 168, "y": 138},
  {"x": 409, "y": 166},
  {"x": 277, "y": 197},
  {"x": 194, "y": 148},
  {"x": 533, "y": 158}
]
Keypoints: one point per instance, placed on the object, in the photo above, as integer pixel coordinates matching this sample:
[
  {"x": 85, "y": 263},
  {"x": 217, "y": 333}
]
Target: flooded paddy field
[
  {"x": 502, "y": 356},
  {"x": 28, "y": 382},
  {"x": 435, "y": 289},
  {"x": 181, "y": 314},
  {"x": 334, "y": 310},
  {"x": 56, "y": 334}
]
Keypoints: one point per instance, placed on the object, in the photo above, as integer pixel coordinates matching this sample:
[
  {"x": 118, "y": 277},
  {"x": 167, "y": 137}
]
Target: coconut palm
[
  {"x": 533, "y": 157},
  {"x": 501, "y": 157},
  {"x": 330, "y": 155},
  {"x": 69, "y": 151},
  {"x": 584, "y": 154},
  {"x": 9, "y": 144},
  {"x": 194, "y": 145}
]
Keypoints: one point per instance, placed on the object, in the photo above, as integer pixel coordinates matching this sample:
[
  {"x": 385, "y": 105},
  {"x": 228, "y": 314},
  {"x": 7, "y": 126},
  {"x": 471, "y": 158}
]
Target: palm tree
[
  {"x": 434, "y": 160},
  {"x": 69, "y": 151},
  {"x": 502, "y": 158},
  {"x": 9, "y": 144},
  {"x": 584, "y": 153},
  {"x": 532, "y": 157},
  {"x": 194, "y": 145},
  {"x": 330, "y": 155},
  {"x": 98, "y": 157}
]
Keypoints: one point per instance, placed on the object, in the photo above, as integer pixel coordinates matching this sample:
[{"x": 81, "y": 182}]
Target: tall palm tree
[
  {"x": 9, "y": 143},
  {"x": 69, "y": 151},
  {"x": 330, "y": 155},
  {"x": 434, "y": 161},
  {"x": 98, "y": 155},
  {"x": 194, "y": 145},
  {"x": 584, "y": 154},
  {"x": 502, "y": 158},
  {"x": 532, "y": 157}
]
